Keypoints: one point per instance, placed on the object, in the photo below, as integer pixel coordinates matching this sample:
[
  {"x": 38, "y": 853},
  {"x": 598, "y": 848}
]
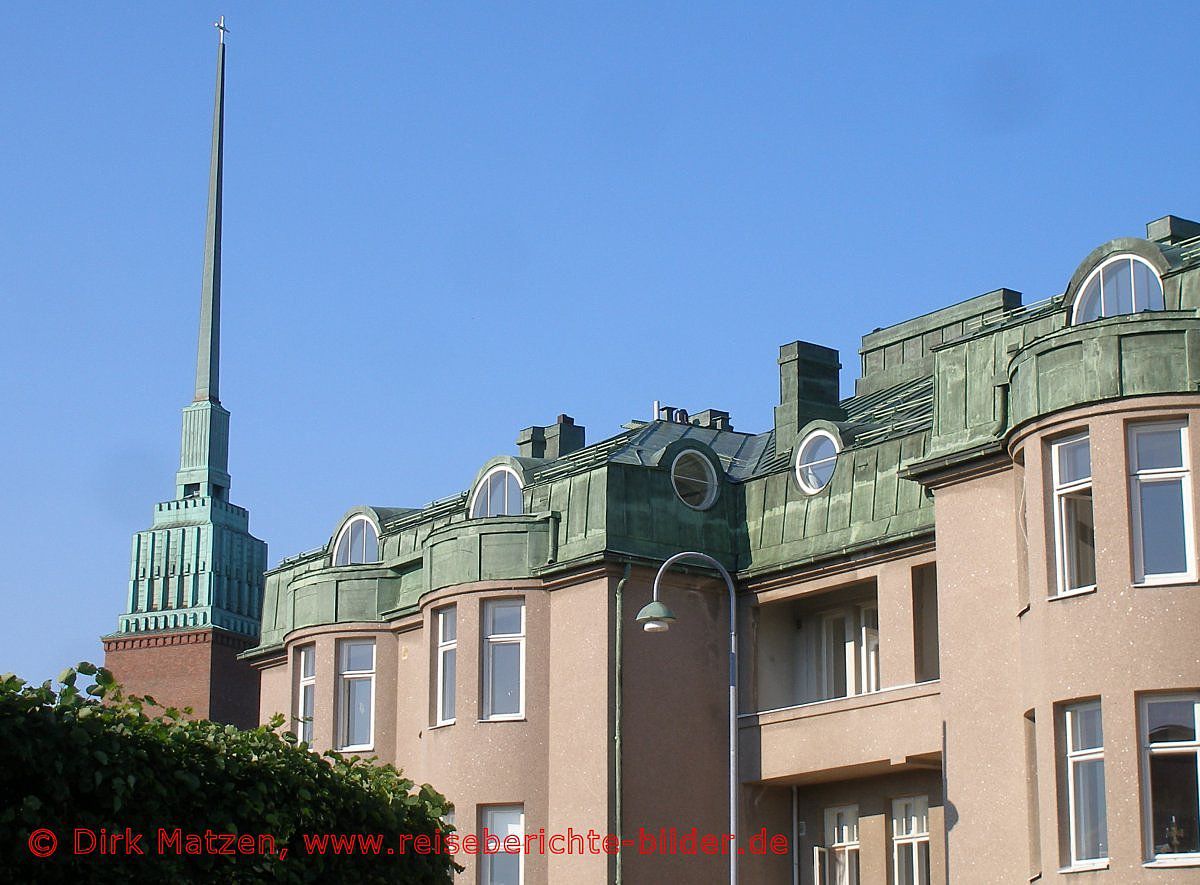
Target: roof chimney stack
[{"x": 562, "y": 437}]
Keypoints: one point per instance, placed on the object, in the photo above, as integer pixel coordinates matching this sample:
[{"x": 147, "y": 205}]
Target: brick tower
[{"x": 196, "y": 575}]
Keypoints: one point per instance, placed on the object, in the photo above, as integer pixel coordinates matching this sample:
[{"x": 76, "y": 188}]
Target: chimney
[
  {"x": 562, "y": 437},
  {"x": 1171, "y": 229},
  {"x": 808, "y": 389}
]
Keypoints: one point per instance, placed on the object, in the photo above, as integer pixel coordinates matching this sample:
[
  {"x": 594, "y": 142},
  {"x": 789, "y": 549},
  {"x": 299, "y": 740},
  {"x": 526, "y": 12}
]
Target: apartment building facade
[{"x": 967, "y": 611}]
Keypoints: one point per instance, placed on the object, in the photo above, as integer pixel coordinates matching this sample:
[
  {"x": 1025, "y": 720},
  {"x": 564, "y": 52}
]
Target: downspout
[
  {"x": 617, "y": 719},
  {"x": 795, "y": 835}
]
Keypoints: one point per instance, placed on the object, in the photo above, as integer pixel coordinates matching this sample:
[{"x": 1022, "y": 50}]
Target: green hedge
[{"x": 95, "y": 760}]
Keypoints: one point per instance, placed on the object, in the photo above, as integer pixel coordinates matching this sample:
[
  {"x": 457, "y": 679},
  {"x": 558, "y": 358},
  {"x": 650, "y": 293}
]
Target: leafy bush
[{"x": 95, "y": 761}]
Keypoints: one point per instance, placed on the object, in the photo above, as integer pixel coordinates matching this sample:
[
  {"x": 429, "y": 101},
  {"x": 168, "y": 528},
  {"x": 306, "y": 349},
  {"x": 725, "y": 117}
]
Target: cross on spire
[{"x": 220, "y": 26}]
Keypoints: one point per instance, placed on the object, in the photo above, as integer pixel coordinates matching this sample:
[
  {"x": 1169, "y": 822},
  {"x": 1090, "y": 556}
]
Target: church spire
[
  {"x": 204, "y": 452},
  {"x": 208, "y": 353}
]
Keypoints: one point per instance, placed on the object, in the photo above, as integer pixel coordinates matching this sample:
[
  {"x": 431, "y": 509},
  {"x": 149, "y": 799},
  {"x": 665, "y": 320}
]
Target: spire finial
[{"x": 220, "y": 26}]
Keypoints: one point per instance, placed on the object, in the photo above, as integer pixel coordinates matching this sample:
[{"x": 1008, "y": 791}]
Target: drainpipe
[
  {"x": 795, "y": 836},
  {"x": 617, "y": 718}
]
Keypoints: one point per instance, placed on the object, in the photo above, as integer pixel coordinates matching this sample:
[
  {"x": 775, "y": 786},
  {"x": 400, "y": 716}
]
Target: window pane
[
  {"x": 370, "y": 543},
  {"x": 480, "y": 508},
  {"x": 1087, "y": 732},
  {"x": 496, "y": 493},
  {"x": 504, "y": 677},
  {"x": 906, "y": 868},
  {"x": 1118, "y": 288},
  {"x": 342, "y": 555},
  {"x": 1174, "y": 798},
  {"x": 504, "y": 617},
  {"x": 512, "y": 488},
  {"x": 1164, "y": 541},
  {"x": 1091, "y": 826},
  {"x": 1079, "y": 539},
  {"x": 1089, "y": 303},
  {"x": 835, "y": 657},
  {"x": 306, "y": 712},
  {"x": 502, "y": 868},
  {"x": 449, "y": 663},
  {"x": 356, "y": 540},
  {"x": 448, "y": 624},
  {"x": 923, "y": 859},
  {"x": 1158, "y": 449},
  {"x": 1074, "y": 461},
  {"x": 1171, "y": 721},
  {"x": 358, "y": 712},
  {"x": 1148, "y": 293},
  {"x": 358, "y": 656},
  {"x": 308, "y": 662}
]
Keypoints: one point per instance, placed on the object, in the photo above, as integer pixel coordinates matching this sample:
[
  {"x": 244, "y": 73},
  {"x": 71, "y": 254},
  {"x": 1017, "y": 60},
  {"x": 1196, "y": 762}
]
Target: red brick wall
[{"x": 189, "y": 668}]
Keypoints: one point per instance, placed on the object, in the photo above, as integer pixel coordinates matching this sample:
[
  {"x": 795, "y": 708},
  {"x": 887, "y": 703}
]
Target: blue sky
[{"x": 447, "y": 222}]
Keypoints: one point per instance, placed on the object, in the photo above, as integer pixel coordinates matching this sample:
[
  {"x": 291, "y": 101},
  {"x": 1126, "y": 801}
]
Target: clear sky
[{"x": 446, "y": 222}]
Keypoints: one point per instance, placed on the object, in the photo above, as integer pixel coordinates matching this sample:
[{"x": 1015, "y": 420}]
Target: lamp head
[{"x": 655, "y": 617}]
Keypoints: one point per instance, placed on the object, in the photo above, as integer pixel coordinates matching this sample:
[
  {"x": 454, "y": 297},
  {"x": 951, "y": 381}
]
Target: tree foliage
[{"x": 97, "y": 760}]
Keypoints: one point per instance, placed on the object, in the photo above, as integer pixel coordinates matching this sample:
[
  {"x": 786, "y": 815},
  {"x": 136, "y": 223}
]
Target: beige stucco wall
[
  {"x": 1009, "y": 647},
  {"x": 1115, "y": 643}
]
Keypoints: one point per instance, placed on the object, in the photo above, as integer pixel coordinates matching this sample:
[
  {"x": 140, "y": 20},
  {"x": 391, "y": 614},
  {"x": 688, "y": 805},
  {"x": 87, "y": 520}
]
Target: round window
[
  {"x": 694, "y": 479},
  {"x": 816, "y": 461}
]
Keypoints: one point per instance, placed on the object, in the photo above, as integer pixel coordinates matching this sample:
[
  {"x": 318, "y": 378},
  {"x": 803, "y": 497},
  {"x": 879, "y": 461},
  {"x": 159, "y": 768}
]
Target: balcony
[{"x": 860, "y": 736}]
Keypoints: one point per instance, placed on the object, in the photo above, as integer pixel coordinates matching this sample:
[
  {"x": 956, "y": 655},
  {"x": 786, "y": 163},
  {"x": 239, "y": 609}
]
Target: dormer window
[
  {"x": 816, "y": 460},
  {"x": 498, "y": 494},
  {"x": 358, "y": 542},
  {"x": 1124, "y": 284}
]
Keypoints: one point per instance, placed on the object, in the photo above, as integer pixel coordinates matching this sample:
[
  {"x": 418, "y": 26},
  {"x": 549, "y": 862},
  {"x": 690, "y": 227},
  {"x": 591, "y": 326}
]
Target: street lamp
[{"x": 655, "y": 617}]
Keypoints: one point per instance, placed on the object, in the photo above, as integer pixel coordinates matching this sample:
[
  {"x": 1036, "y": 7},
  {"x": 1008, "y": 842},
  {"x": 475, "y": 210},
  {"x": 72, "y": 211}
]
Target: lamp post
[{"x": 655, "y": 617}]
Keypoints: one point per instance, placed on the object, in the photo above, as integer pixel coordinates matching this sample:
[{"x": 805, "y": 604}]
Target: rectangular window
[
  {"x": 356, "y": 694},
  {"x": 504, "y": 659},
  {"x": 1086, "y": 808},
  {"x": 306, "y": 665},
  {"x": 910, "y": 841},
  {"x": 837, "y": 863},
  {"x": 1171, "y": 775},
  {"x": 499, "y": 866},
  {"x": 848, "y": 663},
  {"x": 447, "y": 659},
  {"x": 1160, "y": 491},
  {"x": 1074, "y": 522}
]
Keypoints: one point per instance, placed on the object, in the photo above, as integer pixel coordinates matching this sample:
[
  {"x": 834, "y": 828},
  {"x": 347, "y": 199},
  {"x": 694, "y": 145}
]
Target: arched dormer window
[
  {"x": 1122, "y": 284},
  {"x": 497, "y": 494},
  {"x": 357, "y": 542}
]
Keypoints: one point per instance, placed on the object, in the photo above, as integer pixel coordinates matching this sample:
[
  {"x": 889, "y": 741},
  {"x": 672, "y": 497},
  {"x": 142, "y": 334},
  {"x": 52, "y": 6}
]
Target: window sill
[
  {"x": 1186, "y": 860},
  {"x": 445, "y": 724},
  {"x": 1086, "y": 866},
  {"x": 501, "y": 719},
  {"x": 366, "y": 748},
  {"x": 1070, "y": 594},
  {"x": 1166, "y": 581}
]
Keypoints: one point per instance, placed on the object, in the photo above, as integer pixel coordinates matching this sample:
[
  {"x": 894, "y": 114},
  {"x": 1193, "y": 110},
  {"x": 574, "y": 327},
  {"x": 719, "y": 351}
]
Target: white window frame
[
  {"x": 485, "y": 870},
  {"x": 493, "y": 640},
  {"x": 1062, "y": 492},
  {"x": 1075, "y": 756},
  {"x": 836, "y": 847},
  {"x": 345, "y": 677},
  {"x": 304, "y": 711},
  {"x": 1165, "y": 748},
  {"x": 858, "y": 647},
  {"x": 1098, "y": 273},
  {"x": 1139, "y": 477},
  {"x": 797, "y": 470},
  {"x": 445, "y": 647},
  {"x": 904, "y": 839},
  {"x": 481, "y": 487},
  {"x": 343, "y": 535}
]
